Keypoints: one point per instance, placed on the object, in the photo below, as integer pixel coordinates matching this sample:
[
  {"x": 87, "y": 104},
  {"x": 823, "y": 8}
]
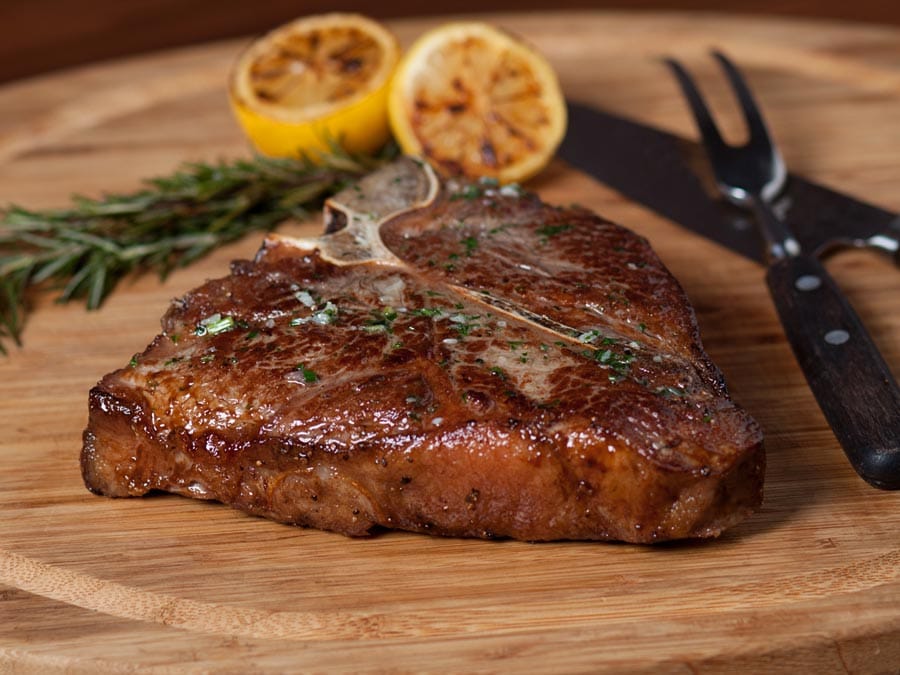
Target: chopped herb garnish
[
  {"x": 514, "y": 345},
  {"x": 382, "y": 320},
  {"x": 464, "y": 323},
  {"x": 427, "y": 311},
  {"x": 498, "y": 372},
  {"x": 548, "y": 231},
  {"x": 469, "y": 192},
  {"x": 133, "y": 363},
  {"x": 309, "y": 376},
  {"x": 471, "y": 244},
  {"x": 207, "y": 358},
  {"x": 214, "y": 325},
  {"x": 326, "y": 315},
  {"x": 618, "y": 362},
  {"x": 306, "y": 298}
]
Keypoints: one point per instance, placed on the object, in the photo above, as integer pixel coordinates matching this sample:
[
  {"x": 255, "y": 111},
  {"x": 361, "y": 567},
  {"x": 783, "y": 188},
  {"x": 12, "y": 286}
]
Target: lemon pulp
[
  {"x": 475, "y": 101},
  {"x": 314, "y": 81}
]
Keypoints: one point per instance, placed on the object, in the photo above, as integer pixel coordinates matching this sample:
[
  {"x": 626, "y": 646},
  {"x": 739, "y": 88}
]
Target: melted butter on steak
[{"x": 459, "y": 360}]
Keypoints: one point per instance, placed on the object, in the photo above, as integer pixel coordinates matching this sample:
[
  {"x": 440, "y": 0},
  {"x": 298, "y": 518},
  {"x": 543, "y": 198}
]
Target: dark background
[{"x": 43, "y": 35}]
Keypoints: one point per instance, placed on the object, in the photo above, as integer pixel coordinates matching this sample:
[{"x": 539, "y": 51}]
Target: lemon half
[
  {"x": 475, "y": 101},
  {"x": 313, "y": 81}
]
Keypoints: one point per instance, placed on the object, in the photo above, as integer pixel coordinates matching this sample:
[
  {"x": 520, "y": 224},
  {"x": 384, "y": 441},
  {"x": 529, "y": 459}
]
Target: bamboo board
[{"x": 810, "y": 583}]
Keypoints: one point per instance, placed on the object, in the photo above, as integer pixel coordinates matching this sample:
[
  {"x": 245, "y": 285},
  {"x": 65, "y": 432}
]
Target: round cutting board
[{"x": 811, "y": 582}]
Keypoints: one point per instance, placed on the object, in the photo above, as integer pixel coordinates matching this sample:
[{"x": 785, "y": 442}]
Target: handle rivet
[
  {"x": 808, "y": 282},
  {"x": 837, "y": 337}
]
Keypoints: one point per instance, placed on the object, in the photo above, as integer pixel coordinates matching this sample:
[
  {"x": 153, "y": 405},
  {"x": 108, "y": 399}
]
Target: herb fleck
[
  {"x": 309, "y": 376},
  {"x": 214, "y": 325},
  {"x": 548, "y": 231},
  {"x": 382, "y": 320},
  {"x": 469, "y": 192}
]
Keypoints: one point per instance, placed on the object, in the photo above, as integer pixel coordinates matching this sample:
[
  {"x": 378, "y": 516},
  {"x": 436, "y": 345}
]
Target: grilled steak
[{"x": 460, "y": 360}]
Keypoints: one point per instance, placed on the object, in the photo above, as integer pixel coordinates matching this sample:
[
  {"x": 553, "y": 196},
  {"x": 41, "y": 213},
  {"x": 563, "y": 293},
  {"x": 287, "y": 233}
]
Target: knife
[{"x": 671, "y": 176}]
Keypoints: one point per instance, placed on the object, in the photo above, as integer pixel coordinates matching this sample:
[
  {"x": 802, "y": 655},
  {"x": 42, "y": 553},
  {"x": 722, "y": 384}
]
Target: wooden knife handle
[{"x": 846, "y": 372}]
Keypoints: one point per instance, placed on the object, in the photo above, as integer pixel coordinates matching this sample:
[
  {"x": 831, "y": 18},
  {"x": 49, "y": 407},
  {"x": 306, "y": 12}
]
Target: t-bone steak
[{"x": 454, "y": 359}]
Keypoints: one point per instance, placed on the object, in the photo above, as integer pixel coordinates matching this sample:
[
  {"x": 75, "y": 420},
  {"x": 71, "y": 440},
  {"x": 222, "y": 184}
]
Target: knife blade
[{"x": 670, "y": 175}]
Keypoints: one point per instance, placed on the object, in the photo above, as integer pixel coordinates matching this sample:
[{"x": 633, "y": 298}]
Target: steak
[{"x": 454, "y": 359}]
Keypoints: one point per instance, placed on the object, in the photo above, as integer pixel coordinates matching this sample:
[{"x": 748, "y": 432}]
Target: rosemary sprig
[{"x": 85, "y": 250}]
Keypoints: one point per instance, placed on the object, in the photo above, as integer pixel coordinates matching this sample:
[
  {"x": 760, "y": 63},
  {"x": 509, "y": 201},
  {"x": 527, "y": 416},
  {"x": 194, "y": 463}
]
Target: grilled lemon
[
  {"x": 475, "y": 101},
  {"x": 314, "y": 81}
]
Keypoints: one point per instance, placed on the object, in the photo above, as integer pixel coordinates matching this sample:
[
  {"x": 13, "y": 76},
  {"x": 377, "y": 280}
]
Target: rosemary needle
[{"x": 85, "y": 250}]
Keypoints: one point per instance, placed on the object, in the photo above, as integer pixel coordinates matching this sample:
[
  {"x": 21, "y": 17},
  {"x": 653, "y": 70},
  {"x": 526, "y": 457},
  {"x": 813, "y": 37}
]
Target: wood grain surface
[{"x": 811, "y": 583}]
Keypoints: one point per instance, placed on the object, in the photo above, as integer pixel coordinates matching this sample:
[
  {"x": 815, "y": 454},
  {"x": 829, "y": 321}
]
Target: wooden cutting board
[{"x": 810, "y": 583}]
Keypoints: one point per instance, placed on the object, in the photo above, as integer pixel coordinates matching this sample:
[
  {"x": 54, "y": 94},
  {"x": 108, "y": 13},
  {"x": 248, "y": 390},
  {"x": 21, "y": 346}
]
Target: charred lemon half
[
  {"x": 476, "y": 101},
  {"x": 314, "y": 81}
]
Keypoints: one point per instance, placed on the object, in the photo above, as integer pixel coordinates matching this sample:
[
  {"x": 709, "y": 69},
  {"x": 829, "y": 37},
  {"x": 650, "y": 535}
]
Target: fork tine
[
  {"x": 756, "y": 125},
  {"x": 705, "y": 122}
]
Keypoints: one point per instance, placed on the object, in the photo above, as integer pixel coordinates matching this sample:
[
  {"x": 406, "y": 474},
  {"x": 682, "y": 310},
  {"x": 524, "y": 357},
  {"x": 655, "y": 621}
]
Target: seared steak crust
[{"x": 480, "y": 364}]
